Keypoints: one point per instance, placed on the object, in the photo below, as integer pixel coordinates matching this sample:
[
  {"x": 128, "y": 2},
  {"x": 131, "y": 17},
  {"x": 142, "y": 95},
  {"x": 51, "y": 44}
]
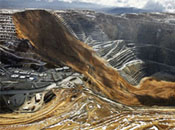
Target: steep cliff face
[
  {"x": 148, "y": 41},
  {"x": 147, "y": 28},
  {"x": 52, "y": 41},
  {"x": 32, "y": 82}
]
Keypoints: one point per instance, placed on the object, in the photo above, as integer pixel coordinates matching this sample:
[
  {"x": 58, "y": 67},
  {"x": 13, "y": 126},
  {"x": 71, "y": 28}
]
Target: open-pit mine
[{"x": 86, "y": 70}]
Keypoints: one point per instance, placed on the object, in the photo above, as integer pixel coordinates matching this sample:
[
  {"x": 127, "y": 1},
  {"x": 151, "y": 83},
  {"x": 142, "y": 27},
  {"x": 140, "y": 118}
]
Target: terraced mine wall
[
  {"x": 152, "y": 31},
  {"x": 7, "y": 28},
  {"x": 92, "y": 101},
  {"x": 84, "y": 60},
  {"x": 148, "y": 41}
]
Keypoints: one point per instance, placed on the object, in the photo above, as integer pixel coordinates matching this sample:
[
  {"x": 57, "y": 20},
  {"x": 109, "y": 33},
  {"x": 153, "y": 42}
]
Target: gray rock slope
[{"x": 137, "y": 45}]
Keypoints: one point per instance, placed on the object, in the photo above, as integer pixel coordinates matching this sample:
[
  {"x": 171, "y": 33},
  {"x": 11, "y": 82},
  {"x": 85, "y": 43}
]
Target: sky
[
  {"x": 156, "y": 5},
  {"x": 163, "y": 5}
]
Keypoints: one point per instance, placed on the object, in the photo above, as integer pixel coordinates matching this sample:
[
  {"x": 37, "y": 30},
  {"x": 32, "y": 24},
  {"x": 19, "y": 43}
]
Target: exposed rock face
[
  {"x": 127, "y": 62},
  {"x": 152, "y": 31},
  {"x": 148, "y": 41},
  {"x": 51, "y": 40}
]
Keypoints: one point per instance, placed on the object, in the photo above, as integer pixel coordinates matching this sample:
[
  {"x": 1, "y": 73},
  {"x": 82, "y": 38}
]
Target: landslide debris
[{"x": 53, "y": 42}]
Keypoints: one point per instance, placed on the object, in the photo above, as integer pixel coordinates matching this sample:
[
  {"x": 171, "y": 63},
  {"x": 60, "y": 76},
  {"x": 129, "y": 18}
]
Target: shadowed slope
[{"x": 52, "y": 41}]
